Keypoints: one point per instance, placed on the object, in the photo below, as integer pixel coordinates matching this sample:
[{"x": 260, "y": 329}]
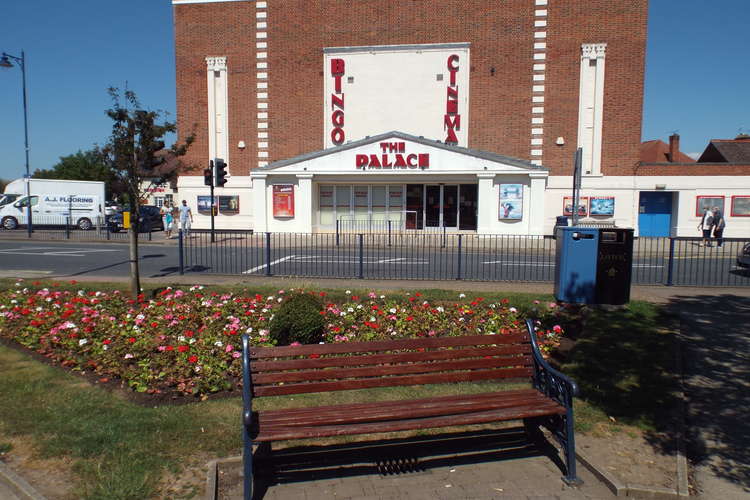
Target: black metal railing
[
  {"x": 442, "y": 256},
  {"x": 63, "y": 227}
]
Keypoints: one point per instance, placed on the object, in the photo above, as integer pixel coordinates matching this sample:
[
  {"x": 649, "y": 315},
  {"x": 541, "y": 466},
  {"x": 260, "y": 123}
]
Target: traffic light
[
  {"x": 208, "y": 177},
  {"x": 221, "y": 172}
]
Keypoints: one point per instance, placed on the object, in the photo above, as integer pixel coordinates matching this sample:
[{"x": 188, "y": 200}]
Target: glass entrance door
[
  {"x": 467, "y": 208},
  {"x": 432, "y": 205},
  {"x": 450, "y": 207}
]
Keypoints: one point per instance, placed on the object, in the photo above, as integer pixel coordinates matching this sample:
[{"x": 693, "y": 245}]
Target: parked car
[
  {"x": 150, "y": 220},
  {"x": 743, "y": 258}
]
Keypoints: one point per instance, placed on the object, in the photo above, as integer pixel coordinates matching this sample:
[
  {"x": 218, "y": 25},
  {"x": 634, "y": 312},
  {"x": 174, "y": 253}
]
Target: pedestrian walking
[
  {"x": 719, "y": 224},
  {"x": 186, "y": 218},
  {"x": 707, "y": 223},
  {"x": 165, "y": 211}
]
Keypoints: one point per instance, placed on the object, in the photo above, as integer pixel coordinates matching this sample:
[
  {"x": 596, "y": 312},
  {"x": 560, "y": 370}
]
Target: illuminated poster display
[
  {"x": 229, "y": 205},
  {"x": 204, "y": 204},
  {"x": 283, "y": 200},
  {"x": 511, "y": 201},
  {"x": 602, "y": 205}
]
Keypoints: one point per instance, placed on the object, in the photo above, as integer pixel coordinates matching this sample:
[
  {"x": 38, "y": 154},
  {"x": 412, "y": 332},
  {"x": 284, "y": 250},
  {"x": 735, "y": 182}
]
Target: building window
[{"x": 591, "y": 106}]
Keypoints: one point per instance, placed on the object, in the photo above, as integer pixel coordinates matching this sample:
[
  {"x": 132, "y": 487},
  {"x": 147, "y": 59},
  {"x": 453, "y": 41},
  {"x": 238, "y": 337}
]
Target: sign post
[
  {"x": 211, "y": 167},
  {"x": 577, "y": 160}
]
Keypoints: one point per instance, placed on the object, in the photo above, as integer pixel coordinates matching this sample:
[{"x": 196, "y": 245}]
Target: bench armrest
[
  {"x": 247, "y": 390},
  {"x": 549, "y": 381}
]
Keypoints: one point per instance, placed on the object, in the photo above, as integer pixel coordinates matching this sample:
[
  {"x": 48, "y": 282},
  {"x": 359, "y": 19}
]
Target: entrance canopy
[{"x": 401, "y": 178}]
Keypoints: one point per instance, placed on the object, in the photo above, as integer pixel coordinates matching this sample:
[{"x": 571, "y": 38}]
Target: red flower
[
  {"x": 131, "y": 340},
  {"x": 73, "y": 282},
  {"x": 314, "y": 356},
  {"x": 189, "y": 333},
  {"x": 154, "y": 324},
  {"x": 183, "y": 348},
  {"x": 169, "y": 348},
  {"x": 418, "y": 294},
  {"x": 322, "y": 294},
  {"x": 412, "y": 299},
  {"x": 106, "y": 341},
  {"x": 193, "y": 358},
  {"x": 410, "y": 318}
]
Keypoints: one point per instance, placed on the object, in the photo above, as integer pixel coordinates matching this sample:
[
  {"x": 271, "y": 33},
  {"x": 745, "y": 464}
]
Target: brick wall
[
  {"x": 690, "y": 169},
  {"x": 501, "y": 36}
]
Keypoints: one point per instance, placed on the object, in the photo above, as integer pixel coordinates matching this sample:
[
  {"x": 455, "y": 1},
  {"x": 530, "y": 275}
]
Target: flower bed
[{"x": 189, "y": 340}]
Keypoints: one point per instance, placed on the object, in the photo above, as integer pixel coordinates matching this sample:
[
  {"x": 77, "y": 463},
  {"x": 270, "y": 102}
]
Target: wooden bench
[{"x": 289, "y": 370}]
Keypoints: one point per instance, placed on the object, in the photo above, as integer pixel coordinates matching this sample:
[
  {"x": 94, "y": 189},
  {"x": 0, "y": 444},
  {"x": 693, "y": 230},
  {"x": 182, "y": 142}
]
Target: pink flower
[
  {"x": 229, "y": 348},
  {"x": 295, "y": 344},
  {"x": 236, "y": 354},
  {"x": 552, "y": 305},
  {"x": 557, "y": 328}
]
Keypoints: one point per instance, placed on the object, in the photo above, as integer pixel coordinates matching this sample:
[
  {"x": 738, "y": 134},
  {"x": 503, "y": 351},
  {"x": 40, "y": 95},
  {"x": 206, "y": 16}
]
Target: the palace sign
[{"x": 393, "y": 155}]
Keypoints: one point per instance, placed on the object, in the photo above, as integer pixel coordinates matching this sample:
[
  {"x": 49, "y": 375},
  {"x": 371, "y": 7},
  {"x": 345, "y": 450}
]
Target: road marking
[
  {"x": 646, "y": 265},
  {"x": 512, "y": 263},
  {"x": 277, "y": 261},
  {"x": 391, "y": 261},
  {"x": 71, "y": 252}
]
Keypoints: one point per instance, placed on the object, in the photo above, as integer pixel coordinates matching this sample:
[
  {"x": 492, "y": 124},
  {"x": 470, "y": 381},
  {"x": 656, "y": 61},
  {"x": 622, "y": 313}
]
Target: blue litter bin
[{"x": 575, "y": 264}]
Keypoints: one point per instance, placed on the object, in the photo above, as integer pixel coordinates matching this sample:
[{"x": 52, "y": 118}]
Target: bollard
[
  {"x": 179, "y": 251},
  {"x": 337, "y": 232},
  {"x": 67, "y": 229},
  {"x": 361, "y": 275},
  {"x": 268, "y": 254},
  {"x": 389, "y": 232}
]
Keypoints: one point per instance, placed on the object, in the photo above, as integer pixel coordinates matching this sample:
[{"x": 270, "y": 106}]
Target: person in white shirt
[
  {"x": 186, "y": 218},
  {"x": 706, "y": 224}
]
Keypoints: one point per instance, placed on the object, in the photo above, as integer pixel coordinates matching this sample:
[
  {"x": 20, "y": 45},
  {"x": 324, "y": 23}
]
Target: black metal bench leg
[
  {"x": 247, "y": 462},
  {"x": 569, "y": 448}
]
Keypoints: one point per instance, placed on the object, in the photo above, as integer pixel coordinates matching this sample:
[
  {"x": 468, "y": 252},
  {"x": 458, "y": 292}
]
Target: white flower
[
  {"x": 348, "y": 292},
  {"x": 513, "y": 310},
  {"x": 14, "y": 301},
  {"x": 249, "y": 330},
  {"x": 372, "y": 319},
  {"x": 105, "y": 347},
  {"x": 270, "y": 297},
  {"x": 440, "y": 309},
  {"x": 342, "y": 313},
  {"x": 382, "y": 296},
  {"x": 128, "y": 356},
  {"x": 181, "y": 338},
  {"x": 359, "y": 306},
  {"x": 83, "y": 342},
  {"x": 218, "y": 343},
  {"x": 197, "y": 369},
  {"x": 350, "y": 309},
  {"x": 279, "y": 299},
  {"x": 81, "y": 293},
  {"x": 191, "y": 341},
  {"x": 461, "y": 295},
  {"x": 392, "y": 310}
]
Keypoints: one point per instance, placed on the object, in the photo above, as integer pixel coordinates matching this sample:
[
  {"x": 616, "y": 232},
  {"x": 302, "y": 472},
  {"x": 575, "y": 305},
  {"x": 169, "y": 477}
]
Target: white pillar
[
  {"x": 487, "y": 204},
  {"x": 260, "y": 203},
  {"x": 304, "y": 209},
  {"x": 536, "y": 203}
]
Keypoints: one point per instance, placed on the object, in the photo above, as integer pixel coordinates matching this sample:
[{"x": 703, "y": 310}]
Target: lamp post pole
[{"x": 5, "y": 62}]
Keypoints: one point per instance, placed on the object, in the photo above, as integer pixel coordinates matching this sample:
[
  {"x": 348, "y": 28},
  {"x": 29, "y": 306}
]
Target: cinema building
[{"x": 459, "y": 115}]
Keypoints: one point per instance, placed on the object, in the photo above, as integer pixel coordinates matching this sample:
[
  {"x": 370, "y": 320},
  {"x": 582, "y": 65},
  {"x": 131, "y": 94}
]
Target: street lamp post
[{"x": 5, "y": 62}]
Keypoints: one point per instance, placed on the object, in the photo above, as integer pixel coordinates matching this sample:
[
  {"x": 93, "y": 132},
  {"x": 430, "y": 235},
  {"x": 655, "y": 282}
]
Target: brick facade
[{"x": 501, "y": 35}]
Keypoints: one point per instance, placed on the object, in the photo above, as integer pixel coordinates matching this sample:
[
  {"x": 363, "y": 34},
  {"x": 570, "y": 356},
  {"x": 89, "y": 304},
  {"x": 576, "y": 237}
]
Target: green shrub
[{"x": 298, "y": 320}]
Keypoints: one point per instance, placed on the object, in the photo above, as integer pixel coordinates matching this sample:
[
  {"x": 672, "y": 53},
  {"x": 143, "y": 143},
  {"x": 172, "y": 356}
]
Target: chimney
[{"x": 674, "y": 147}]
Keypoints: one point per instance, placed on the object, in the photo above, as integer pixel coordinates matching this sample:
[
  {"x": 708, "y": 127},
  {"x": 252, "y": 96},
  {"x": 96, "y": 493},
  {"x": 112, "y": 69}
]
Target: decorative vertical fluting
[
  {"x": 538, "y": 77},
  {"x": 261, "y": 66}
]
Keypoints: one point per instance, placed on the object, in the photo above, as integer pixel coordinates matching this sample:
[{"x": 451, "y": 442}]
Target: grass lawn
[{"x": 621, "y": 359}]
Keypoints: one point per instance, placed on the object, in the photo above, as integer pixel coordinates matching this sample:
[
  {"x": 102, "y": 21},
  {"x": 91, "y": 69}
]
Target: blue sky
[{"x": 697, "y": 71}]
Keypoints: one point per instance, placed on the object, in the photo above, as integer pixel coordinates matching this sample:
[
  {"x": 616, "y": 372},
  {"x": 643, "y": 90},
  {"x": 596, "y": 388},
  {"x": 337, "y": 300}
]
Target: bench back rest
[{"x": 361, "y": 365}]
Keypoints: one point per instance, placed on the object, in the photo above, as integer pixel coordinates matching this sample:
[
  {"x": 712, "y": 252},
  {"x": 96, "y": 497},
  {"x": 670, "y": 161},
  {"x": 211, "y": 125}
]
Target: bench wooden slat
[
  {"x": 394, "y": 369},
  {"x": 387, "y": 345},
  {"x": 353, "y": 407},
  {"x": 434, "y": 378},
  {"x": 408, "y": 409},
  {"x": 377, "y": 359},
  {"x": 501, "y": 414}
]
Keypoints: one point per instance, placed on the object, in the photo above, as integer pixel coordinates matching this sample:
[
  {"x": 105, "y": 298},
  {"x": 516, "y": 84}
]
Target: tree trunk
[{"x": 135, "y": 277}]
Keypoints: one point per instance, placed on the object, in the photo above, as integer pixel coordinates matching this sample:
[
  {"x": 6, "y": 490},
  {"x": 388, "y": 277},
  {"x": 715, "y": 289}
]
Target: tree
[
  {"x": 135, "y": 156},
  {"x": 83, "y": 166}
]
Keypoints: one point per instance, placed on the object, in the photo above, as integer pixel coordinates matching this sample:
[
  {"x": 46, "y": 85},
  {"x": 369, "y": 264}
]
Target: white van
[{"x": 54, "y": 203}]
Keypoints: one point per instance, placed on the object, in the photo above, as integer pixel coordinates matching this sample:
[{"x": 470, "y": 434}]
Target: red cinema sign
[
  {"x": 283, "y": 200},
  {"x": 451, "y": 119},
  {"x": 393, "y": 156},
  {"x": 337, "y": 103}
]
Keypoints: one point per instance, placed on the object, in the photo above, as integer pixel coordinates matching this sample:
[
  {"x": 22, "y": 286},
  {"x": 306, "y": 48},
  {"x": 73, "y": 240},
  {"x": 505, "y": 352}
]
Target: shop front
[{"x": 397, "y": 181}]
